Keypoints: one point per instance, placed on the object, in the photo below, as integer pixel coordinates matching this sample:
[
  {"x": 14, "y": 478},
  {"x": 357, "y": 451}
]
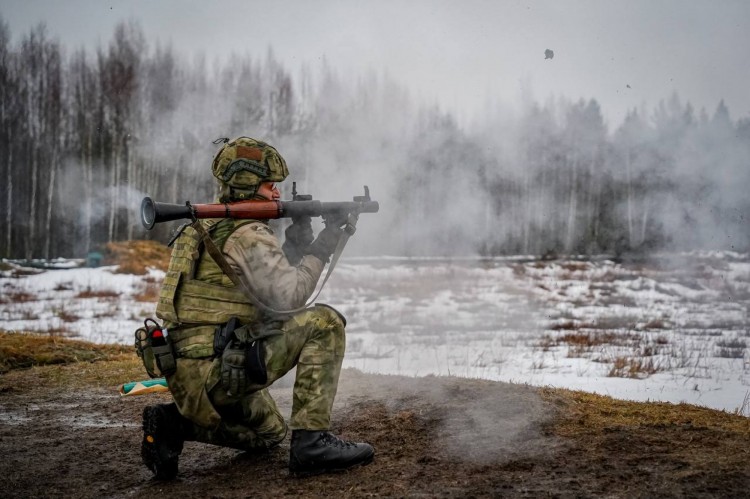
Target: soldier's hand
[
  {"x": 233, "y": 375},
  {"x": 324, "y": 246},
  {"x": 336, "y": 219},
  {"x": 300, "y": 233}
]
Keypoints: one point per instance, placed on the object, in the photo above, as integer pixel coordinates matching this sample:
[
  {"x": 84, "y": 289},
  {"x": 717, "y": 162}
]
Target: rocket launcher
[{"x": 153, "y": 212}]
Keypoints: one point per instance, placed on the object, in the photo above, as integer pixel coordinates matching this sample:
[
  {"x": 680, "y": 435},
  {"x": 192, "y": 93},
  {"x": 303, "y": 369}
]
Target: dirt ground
[{"x": 64, "y": 431}]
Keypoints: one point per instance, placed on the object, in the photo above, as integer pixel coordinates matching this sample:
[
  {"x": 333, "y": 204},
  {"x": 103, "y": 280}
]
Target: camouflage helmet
[{"x": 242, "y": 164}]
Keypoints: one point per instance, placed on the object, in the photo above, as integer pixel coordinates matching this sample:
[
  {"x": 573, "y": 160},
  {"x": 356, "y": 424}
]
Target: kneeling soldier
[{"x": 229, "y": 347}]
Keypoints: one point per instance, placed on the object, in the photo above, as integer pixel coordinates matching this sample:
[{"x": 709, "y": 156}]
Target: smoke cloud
[{"x": 545, "y": 178}]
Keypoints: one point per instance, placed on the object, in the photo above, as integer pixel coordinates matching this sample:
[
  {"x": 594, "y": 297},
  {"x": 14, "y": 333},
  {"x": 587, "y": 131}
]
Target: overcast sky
[{"x": 460, "y": 54}]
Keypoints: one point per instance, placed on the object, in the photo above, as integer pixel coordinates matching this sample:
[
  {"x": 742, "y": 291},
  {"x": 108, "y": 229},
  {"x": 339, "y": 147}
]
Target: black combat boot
[
  {"x": 163, "y": 436},
  {"x": 315, "y": 452}
]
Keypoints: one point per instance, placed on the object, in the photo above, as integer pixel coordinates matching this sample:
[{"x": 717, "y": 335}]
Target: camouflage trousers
[{"x": 314, "y": 341}]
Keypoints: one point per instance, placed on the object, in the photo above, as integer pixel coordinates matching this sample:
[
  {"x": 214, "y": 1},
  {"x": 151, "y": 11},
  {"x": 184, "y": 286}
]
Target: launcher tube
[{"x": 153, "y": 212}]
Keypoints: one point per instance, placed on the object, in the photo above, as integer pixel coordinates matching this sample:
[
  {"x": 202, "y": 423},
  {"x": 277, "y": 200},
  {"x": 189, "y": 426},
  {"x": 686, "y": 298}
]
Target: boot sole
[
  {"x": 153, "y": 424},
  {"x": 308, "y": 473}
]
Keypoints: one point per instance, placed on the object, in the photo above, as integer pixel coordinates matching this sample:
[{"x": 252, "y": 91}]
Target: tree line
[{"x": 85, "y": 135}]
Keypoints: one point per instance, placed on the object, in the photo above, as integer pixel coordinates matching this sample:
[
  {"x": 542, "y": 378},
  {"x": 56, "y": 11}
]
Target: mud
[{"x": 434, "y": 437}]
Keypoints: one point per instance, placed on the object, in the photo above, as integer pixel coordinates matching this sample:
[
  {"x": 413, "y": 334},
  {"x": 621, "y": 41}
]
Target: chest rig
[{"x": 197, "y": 295}]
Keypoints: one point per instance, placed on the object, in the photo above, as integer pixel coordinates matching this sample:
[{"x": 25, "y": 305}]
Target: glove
[
  {"x": 233, "y": 375},
  {"x": 324, "y": 246},
  {"x": 299, "y": 235}
]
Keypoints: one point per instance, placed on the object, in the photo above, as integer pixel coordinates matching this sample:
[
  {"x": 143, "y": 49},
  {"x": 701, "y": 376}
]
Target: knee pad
[{"x": 338, "y": 314}]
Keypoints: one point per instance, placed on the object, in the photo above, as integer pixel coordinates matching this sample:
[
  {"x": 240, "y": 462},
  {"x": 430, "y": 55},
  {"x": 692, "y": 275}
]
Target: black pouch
[{"x": 255, "y": 362}]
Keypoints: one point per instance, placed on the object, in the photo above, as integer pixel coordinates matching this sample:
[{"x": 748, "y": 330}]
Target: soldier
[{"x": 219, "y": 387}]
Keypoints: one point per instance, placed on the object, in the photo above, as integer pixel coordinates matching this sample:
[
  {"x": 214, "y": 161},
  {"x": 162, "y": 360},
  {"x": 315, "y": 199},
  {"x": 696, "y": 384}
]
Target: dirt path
[{"x": 433, "y": 436}]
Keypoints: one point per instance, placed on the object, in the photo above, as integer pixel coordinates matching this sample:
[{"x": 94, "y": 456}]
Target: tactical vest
[{"x": 196, "y": 295}]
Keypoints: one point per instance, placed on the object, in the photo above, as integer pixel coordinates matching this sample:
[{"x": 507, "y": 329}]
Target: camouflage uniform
[
  {"x": 197, "y": 296},
  {"x": 312, "y": 339}
]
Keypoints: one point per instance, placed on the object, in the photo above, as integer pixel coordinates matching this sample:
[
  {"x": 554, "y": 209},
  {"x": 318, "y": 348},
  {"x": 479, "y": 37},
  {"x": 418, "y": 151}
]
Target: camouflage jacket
[
  {"x": 197, "y": 292},
  {"x": 255, "y": 254}
]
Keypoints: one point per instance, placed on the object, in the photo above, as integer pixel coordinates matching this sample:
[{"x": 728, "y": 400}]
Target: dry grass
[
  {"x": 607, "y": 323},
  {"x": 731, "y": 348},
  {"x": 18, "y": 272},
  {"x": 98, "y": 293},
  {"x": 586, "y": 414},
  {"x": 591, "y": 339},
  {"x": 636, "y": 368},
  {"x": 608, "y": 276},
  {"x": 587, "y": 339},
  {"x": 640, "y": 364},
  {"x": 735, "y": 343},
  {"x": 135, "y": 257},
  {"x": 571, "y": 325},
  {"x": 656, "y": 324},
  {"x": 66, "y": 315},
  {"x": 23, "y": 350},
  {"x": 76, "y": 375},
  {"x": 148, "y": 293},
  {"x": 53, "y": 332},
  {"x": 575, "y": 266},
  {"x": 17, "y": 297}
]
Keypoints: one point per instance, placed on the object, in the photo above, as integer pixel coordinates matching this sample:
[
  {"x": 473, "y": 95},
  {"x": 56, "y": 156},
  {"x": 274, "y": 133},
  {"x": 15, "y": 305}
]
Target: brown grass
[
  {"x": 53, "y": 332},
  {"x": 575, "y": 266},
  {"x": 148, "y": 293},
  {"x": 135, "y": 257},
  {"x": 590, "y": 339},
  {"x": 17, "y": 297},
  {"x": 23, "y": 350},
  {"x": 17, "y": 272},
  {"x": 618, "y": 322},
  {"x": 99, "y": 293},
  {"x": 581, "y": 343},
  {"x": 571, "y": 325},
  {"x": 586, "y": 414},
  {"x": 655, "y": 324},
  {"x": 628, "y": 367},
  {"x": 66, "y": 316}
]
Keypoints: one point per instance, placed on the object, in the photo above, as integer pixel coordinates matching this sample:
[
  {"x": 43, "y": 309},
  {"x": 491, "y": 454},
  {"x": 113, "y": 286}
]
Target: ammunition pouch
[
  {"x": 248, "y": 338},
  {"x": 154, "y": 348}
]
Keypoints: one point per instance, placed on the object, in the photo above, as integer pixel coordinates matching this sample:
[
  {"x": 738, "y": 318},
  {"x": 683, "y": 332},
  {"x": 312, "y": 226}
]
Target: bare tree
[{"x": 9, "y": 106}]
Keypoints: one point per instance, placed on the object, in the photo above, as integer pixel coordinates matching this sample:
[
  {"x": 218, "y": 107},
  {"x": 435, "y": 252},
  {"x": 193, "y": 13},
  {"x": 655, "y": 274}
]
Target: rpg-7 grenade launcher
[{"x": 301, "y": 205}]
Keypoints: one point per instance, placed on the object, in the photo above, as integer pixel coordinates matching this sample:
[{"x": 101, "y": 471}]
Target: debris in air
[
  {"x": 548, "y": 54},
  {"x": 628, "y": 86}
]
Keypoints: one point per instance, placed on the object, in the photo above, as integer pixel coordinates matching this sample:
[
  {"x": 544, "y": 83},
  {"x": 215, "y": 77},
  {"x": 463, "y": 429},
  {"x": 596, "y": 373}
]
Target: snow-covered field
[{"x": 674, "y": 329}]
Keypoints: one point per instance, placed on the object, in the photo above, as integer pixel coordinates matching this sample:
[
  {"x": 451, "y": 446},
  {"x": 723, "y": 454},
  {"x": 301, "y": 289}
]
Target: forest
[{"x": 85, "y": 134}]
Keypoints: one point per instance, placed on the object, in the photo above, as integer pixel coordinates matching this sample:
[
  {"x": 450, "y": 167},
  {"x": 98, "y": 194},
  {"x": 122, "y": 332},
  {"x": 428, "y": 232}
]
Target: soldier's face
[{"x": 268, "y": 191}]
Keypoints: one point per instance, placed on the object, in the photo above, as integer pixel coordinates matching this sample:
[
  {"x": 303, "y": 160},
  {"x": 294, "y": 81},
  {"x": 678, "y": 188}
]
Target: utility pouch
[
  {"x": 155, "y": 350},
  {"x": 234, "y": 336}
]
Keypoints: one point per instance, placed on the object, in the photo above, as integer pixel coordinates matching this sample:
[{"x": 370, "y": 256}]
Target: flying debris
[
  {"x": 548, "y": 54},
  {"x": 628, "y": 86}
]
